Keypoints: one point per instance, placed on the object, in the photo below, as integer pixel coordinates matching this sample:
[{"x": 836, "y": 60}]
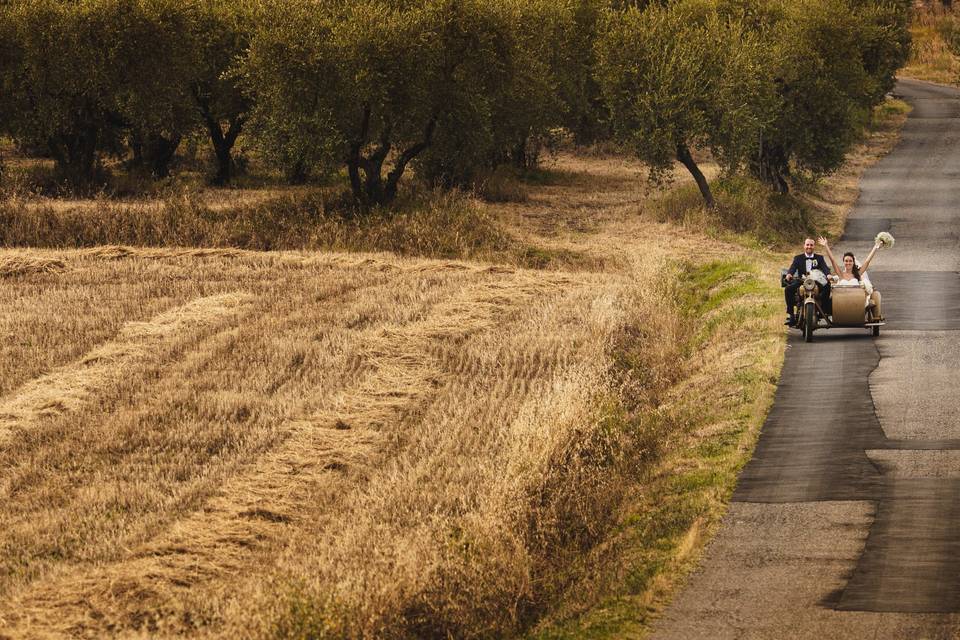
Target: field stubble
[
  {"x": 365, "y": 431},
  {"x": 226, "y": 443}
]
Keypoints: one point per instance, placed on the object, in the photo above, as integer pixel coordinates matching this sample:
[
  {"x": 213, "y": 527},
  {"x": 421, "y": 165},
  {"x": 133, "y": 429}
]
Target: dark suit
[{"x": 799, "y": 268}]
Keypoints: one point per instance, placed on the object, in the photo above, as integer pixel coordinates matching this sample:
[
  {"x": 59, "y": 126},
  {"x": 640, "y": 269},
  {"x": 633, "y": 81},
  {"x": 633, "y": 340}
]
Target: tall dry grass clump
[
  {"x": 22, "y": 265},
  {"x": 744, "y": 206},
  {"x": 931, "y": 58},
  {"x": 435, "y": 224}
]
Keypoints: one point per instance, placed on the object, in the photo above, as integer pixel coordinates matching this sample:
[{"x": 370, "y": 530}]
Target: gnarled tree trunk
[
  {"x": 76, "y": 156},
  {"x": 223, "y": 141},
  {"x": 685, "y": 157},
  {"x": 160, "y": 150},
  {"x": 155, "y": 151},
  {"x": 372, "y": 188},
  {"x": 771, "y": 166}
]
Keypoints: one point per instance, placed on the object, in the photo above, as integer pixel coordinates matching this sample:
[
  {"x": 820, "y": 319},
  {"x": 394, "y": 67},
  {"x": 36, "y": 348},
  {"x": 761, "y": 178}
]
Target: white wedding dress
[{"x": 853, "y": 282}]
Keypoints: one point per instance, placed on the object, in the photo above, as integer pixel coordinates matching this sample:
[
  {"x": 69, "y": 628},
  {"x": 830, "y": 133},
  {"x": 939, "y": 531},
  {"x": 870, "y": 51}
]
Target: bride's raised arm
[
  {"x": 833, "y": 261},
  {"x": 866, "y": 263}
]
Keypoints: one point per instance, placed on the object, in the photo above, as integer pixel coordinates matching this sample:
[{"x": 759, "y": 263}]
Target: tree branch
[{"x": 409, "y": 154}]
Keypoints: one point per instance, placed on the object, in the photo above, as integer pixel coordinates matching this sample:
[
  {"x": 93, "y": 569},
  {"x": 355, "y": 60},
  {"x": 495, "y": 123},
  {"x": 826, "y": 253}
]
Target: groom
[{"x": 801, "y": 266}]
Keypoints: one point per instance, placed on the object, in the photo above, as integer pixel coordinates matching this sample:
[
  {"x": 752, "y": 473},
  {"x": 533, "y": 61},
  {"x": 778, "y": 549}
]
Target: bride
[
  {"x": 855, "y": 275},
  {"x": 852, "y": 274}
]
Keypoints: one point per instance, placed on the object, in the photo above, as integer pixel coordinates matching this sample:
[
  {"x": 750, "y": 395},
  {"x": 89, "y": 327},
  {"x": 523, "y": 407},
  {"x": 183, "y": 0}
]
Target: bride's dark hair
[{"x": 856, "y": 269}]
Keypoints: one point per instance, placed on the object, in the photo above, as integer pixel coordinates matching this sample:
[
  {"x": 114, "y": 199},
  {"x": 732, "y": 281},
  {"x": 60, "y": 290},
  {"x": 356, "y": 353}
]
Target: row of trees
[
  {"x": 450, "y": 87},
  {"x": 87, "y": 78},
  {"x": 453, "y": 85},
  {"x": 769, "y": 86},
  {"x": 363, "y": 86}
]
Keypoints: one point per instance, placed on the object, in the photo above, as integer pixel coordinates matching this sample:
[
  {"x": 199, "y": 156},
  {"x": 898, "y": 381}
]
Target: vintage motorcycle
[{"x": 850, "y": 306}]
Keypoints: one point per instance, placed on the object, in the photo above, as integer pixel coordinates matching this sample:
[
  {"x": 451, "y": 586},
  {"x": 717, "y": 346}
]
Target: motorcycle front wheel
[{"x": 809, "y": 323}]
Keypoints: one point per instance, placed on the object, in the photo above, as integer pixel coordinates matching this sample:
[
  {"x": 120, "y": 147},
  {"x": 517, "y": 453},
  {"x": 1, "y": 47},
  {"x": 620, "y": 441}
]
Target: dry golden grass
[
  {"x": 214, "y": 442},
  {"x": 195, "y": 441},
  {"x": 20, "y": 265},
  {"x": 178, "y": 430},
  {"x": 930, "y": 55},
  {"x": 444, "y": 225}
]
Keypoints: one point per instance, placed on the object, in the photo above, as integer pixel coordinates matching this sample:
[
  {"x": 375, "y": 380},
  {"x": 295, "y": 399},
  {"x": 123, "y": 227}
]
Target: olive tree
[
  {"x": 525, "y": 98},
  {"x": 573, "y": 61},
  {"x": 414, "y": 64},
  {"x": 368, "y": 85},
  {"x": 294, "y": 83},
  {"x": 509, "y": 99},
  {"x": 68, "y": 93},
  {"x": 219, "y": 36},
  {"x": 155, "y": 97},
  {"x": 823, "y": 89},
  {"x": 64, "y": 89},
  {"x": 885, "y": 41},
  {"x": 680, "y": 77},
  {"x": 831, "y": 63}
]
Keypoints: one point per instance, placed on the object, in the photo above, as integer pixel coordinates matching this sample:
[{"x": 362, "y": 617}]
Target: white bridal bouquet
[
  {"x": 884, "y": 239},
  {"x": 818, "y": 277}
]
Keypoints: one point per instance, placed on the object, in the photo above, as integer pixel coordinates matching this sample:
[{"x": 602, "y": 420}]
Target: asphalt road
[{"x": 846, "y": 522}]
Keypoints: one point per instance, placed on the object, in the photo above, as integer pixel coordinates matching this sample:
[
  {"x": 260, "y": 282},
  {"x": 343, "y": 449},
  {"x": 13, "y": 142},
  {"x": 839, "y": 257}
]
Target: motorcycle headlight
[{"x": 809, "y": 284}]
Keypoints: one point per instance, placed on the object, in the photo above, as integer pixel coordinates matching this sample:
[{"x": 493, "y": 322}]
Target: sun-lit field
[
  {"x": 230, "y": 443},
  {"x": 177, "y": 421},
  {"x": 199, "y": 438}
]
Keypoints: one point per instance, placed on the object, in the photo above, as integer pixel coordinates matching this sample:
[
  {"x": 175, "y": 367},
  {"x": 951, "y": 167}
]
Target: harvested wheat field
[
  {"x": 293, "y": 444},
  {"x": 448, "y": 319}
]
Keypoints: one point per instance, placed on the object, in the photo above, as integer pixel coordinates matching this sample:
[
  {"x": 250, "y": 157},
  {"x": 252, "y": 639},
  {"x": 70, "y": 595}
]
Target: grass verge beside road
[{"x": 734, "y": 347}]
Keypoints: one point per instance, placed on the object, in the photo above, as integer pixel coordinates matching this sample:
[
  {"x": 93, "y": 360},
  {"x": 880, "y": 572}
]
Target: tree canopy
[
  {"x": 448, "y": 84},
  {"x": 370, "y": 89},
  {"x": 776, "y": 85},
  {"x": 66, "y": 92}
]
